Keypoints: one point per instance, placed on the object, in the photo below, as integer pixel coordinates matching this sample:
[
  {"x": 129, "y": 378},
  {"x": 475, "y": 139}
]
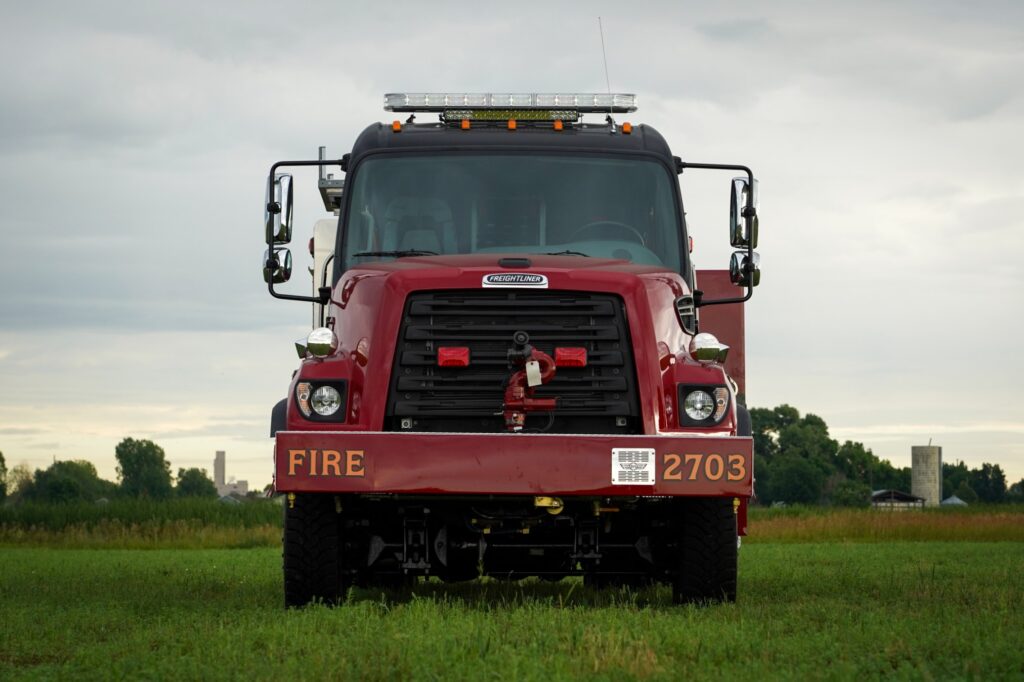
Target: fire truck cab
[{"x": 507, "y": 374}]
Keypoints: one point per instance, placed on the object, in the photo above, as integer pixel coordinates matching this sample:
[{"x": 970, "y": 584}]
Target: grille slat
[{"x": 598, "y": 398}]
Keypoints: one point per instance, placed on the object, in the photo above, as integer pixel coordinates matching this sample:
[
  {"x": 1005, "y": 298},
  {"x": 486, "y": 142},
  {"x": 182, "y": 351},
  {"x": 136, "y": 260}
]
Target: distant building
[
  {"x": 953, "y": 501},
  {"x": 229, "y": 487},
  {"x": 926, "y": 473},
  {"x": 219, "y": 464},
  {"x": 895, "y": 500}
]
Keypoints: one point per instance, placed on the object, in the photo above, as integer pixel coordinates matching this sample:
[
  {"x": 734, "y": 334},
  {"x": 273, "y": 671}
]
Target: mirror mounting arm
[
  {"x": 747, "y": 210},
  {"x": 274, "y": 207}
]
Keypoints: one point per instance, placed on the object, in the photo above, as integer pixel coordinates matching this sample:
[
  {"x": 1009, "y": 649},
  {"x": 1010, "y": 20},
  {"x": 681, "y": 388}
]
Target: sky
[{"x": 135, "y": 139}]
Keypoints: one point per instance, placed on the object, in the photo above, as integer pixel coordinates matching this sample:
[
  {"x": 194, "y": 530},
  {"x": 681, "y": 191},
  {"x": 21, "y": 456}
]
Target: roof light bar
[{"x": 615, "y": 103}]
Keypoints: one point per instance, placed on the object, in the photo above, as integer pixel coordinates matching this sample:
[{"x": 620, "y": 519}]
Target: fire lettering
[
  {"x": 332, "y": 460},
  {"x": 295, "y": 458},
  {"x": 318, "y": 463},
  {"x": 354, "y": 463}
]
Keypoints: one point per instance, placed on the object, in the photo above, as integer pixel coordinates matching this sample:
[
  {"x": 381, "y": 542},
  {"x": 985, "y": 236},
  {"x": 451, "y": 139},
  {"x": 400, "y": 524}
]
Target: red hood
[
  {"x": 541, "y": 264},
  {"x": 368, "y": 303}
]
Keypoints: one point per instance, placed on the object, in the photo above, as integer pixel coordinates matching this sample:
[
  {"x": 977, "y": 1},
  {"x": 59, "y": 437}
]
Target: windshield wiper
[
  {"x": 567, "y": 253},
  {"x": 395, "y": 254}
]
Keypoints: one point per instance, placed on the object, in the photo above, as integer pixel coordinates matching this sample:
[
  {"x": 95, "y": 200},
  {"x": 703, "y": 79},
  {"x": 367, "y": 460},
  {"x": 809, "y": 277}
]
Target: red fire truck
[{"x": 511, "y": 371}]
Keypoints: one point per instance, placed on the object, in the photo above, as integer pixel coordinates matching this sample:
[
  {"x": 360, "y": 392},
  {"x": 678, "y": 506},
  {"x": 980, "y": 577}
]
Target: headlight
[
  {"x": 325, "y": 401},
  {"x": 703, "y": 405},
  {"x": 321, "y": 401},
  {"x": 699, "y": 405}
]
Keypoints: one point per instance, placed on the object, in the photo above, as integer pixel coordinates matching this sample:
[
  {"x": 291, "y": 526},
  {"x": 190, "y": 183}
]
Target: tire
[
  {"x": 312, "y": 551},
  {"x": 706, "y": 552},
  {"x": 744, "y": 427}
]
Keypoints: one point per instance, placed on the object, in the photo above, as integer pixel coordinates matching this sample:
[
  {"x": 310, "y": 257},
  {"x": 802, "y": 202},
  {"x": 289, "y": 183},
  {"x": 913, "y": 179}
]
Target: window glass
[{"x": 513, "y": 203}]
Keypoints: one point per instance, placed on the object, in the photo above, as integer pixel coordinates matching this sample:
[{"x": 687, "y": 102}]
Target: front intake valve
[{"x": 531, "y": 368}]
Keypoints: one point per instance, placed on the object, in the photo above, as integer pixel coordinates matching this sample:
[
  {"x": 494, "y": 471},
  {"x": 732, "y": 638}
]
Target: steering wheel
[{"x": 633, "y": 232}]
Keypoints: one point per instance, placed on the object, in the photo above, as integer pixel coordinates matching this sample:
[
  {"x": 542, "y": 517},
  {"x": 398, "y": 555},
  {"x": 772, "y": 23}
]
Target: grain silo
[
  {"x": 219, "y": 463},
  {"x": 926, "y": 473}
]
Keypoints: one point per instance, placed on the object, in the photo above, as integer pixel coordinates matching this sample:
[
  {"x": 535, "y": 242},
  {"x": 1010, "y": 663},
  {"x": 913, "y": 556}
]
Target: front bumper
[{"x": 512, "y": 464}]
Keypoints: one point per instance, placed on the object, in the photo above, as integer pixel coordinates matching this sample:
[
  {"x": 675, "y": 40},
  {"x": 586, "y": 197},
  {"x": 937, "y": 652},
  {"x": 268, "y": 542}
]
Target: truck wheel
[
  {"x": 706, "y": 553},
  {"x": 312, "y": 551},
  {"x": 744, "y": 426}
]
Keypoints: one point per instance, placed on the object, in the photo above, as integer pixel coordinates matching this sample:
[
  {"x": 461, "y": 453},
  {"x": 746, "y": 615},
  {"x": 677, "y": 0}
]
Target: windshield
[{"x": 585, "y": 205}]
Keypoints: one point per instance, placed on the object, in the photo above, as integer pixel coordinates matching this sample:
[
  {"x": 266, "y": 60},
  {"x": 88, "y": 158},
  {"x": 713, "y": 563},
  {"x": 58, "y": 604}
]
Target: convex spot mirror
[
  {"x": 279, "y": 223},
  {"x": 740, "y": 273},
  {"x": 281, "y": 270},
  {"x": 742, "y": 229}
]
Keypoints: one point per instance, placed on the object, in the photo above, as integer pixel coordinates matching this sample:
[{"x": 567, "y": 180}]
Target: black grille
[{"x": 598, "y": 398}]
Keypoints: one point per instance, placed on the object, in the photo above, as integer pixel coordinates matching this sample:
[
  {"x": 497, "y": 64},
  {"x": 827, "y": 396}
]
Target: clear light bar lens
[{"x": 439, "y": 101}]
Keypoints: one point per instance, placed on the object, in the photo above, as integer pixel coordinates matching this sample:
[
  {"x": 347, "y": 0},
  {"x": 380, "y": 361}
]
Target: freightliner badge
[{"x": 515, "y": 280}]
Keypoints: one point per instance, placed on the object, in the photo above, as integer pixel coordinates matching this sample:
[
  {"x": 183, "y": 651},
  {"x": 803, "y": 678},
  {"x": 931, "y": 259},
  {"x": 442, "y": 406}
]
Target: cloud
[
  {"x": 52, "y": 445},
  {"x": 19, "y": 431}
]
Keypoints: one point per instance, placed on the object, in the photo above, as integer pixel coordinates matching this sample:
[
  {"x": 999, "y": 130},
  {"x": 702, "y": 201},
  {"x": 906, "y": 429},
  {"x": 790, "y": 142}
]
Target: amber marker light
[
  {"x": 627, "y": 128},
  {"x": 396, "y": 126},
  {"x": 511, "y": 124},
  {"x": 465, "y": 124},
  {"x": 558, "y": 124}
]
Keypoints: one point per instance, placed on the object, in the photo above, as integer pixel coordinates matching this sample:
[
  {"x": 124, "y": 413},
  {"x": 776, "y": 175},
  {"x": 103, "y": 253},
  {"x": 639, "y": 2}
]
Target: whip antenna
[
  {"x": 607, "y": 80},
  {"x": 604, "y": 54}
]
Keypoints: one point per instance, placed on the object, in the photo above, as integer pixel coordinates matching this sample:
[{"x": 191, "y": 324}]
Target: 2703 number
[{"x": 711, "y": 467}]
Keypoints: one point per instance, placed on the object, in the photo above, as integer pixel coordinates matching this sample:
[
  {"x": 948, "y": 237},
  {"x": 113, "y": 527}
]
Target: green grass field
[{"x": 917, "y": 610}]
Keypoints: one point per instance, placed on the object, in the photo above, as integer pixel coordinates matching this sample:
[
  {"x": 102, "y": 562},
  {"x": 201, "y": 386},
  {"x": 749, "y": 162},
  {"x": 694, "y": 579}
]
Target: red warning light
[
  {"x": 453, "y": 356},
  {"x": 570, "y": 357}
]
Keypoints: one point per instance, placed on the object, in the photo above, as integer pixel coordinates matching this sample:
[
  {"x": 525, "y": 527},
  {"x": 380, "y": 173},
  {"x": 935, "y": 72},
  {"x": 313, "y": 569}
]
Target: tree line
[
  {"x": 795, "y": 461},
  {"x": 142, "y": 470}
]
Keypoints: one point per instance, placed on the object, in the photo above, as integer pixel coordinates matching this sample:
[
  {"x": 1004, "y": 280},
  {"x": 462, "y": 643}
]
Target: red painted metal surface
[
  {"x": 506, "y": 464},
  {"x": 725, "y": 321},
  {"x": 367, "y": 304}
]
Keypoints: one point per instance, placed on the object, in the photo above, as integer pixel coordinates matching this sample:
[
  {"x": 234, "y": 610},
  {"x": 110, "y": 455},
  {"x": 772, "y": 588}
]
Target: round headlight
[
  {"x": 699, "y": 405},
  {"x": 326, "y": 401}
]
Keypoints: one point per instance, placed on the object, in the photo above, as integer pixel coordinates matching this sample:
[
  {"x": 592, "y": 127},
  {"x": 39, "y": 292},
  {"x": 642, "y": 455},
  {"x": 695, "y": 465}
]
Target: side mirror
[
  {"x": 742, "y": 228},
  {"x": 278, "y": 211},
  {"x": 742, "y": 272},
  {"x": 277, "y": 265}
]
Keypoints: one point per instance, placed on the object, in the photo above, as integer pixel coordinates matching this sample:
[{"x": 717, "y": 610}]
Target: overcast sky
[{"x": 135, "y": 139}]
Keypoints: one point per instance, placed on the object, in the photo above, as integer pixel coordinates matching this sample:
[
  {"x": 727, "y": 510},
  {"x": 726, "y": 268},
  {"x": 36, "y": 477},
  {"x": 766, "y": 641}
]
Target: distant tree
[
  {"x": 795, "y": 480},
  {"x": 966, "y": 493},
  {"x": 852, "y": 494},
  {"x": 3, "y": 478},
  {"x": 763, "y": 424},
  {"x": 143, "y": 469},
  {"x": 1015, "y": 493},
  {"x": 952, "y": 476},
  {"x": 195, "y": 483},
  {"x": 884, "y": 476},
  {"x": 67, "y": 481},
  {"x": 808, "y": 439},
  {"x": 856, "y": 462},
  {"x": 989, "y": 482},
  {"x": 19, "y": 479}
]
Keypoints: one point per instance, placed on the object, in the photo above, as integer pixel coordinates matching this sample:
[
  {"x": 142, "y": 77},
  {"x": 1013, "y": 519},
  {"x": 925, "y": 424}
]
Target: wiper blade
[
  {"x": 395, "y": 254},
  {"x": 567, "y": 253}
]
